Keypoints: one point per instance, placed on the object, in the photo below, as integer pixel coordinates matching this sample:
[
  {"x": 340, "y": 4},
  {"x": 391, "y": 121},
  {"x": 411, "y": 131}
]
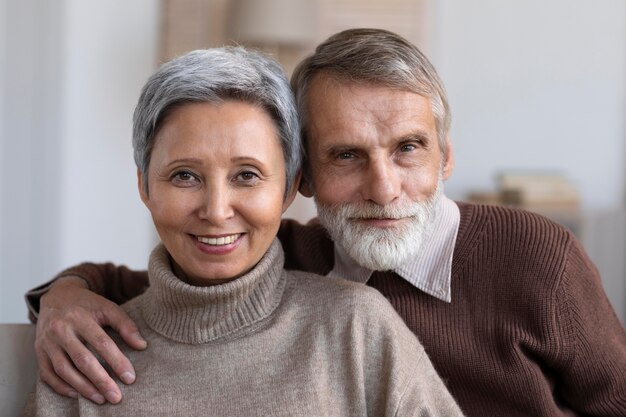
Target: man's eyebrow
[
  {"x": 336, "y": 149},
  {"x": 418, "y": 136}
]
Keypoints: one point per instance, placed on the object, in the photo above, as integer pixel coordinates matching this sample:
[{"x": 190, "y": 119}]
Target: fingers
[
  {"x": 65, "y": 370},
  {"x": 115, "y": 317},
  {"x": 96, "y": 337},
  {"x": 67, "y": 365},
  {"x": 66, "y": 374},
  {"x": 48, "y": 376},
  {"x": 88, "y": 371},
  {"x": 47, "y": 350},
  {"x": 119, "y": 321}
]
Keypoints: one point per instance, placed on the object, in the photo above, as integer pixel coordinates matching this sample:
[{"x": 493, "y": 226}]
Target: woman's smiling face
[{"x": 216, "y": 188}]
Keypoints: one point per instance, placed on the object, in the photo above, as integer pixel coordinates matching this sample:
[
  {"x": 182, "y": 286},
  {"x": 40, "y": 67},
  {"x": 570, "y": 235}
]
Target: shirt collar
[{"x": 430, "y": 270}]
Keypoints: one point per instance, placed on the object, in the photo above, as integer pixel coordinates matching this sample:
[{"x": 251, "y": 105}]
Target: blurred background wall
[{"x": 534, "y": 86}]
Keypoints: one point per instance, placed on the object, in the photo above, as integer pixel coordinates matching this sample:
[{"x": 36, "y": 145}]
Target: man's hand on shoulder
[{"x": 71, "y": 317}]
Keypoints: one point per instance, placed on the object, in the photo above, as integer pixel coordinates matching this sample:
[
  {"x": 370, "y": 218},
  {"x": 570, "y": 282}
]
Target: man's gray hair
[
  {"x": 212, "y": 76},
  {"x": 378, "y": 57}
]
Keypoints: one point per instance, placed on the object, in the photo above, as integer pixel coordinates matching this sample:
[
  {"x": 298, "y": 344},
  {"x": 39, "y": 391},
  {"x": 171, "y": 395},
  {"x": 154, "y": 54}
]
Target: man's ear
[
  {"x": 448, "y": 163},
  {"x": 140, "y": 186},
  {"x": 306, "y": 188},
  {"x": 292, "y": 192}
]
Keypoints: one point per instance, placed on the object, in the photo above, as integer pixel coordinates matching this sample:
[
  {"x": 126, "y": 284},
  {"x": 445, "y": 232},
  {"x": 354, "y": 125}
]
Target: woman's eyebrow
[
  {"x": 192, "y": 161},
  {"x": 199, "y": 161},
  {"x": 246, "y": 159}
]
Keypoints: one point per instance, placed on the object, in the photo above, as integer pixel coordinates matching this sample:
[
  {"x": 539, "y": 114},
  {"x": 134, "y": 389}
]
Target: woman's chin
[{"x": 204, "y": 274}]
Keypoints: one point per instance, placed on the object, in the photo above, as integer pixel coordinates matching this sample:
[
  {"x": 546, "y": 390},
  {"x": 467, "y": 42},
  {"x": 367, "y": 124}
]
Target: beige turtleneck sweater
[{"x": 271, "y": 343}]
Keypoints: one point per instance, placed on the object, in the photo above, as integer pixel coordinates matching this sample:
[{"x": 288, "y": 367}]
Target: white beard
[{"x": 377, "y": 248}]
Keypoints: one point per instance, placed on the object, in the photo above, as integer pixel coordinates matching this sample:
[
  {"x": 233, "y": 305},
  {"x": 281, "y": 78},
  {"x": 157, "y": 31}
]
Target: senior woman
[{"x": 229, "y": 331}]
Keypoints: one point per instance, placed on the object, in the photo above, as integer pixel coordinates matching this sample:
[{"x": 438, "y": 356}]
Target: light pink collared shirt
[{"x": 430, "y": 271}]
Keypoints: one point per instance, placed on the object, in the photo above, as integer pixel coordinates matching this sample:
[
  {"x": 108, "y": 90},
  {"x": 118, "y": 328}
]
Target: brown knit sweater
[
  {"x": 270, "y": 343},
  {"x": 529, "y": 331}
]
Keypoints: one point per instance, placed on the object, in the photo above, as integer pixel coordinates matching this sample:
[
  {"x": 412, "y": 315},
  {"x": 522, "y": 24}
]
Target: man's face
[{"x": 376, "y": 168}]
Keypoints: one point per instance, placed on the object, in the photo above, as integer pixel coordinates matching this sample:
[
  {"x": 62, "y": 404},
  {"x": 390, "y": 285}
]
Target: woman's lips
[
  {"x": 218, "y": 245},
  {"x": 218, "y": 241}
]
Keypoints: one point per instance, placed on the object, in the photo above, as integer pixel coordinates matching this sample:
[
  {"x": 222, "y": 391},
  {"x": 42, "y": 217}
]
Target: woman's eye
[
  {"x": 184, "y": 178},
  {"x": 247, "y": 176}
]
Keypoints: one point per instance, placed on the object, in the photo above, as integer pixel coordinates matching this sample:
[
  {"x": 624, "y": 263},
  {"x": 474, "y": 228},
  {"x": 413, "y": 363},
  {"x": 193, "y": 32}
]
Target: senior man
[{"x": 506, "y": 303}]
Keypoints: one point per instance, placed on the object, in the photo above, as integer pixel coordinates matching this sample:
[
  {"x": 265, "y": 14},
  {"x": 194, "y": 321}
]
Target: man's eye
[
  {"x": 407, "y": 147},
  {"x": 345, "y": 155}
]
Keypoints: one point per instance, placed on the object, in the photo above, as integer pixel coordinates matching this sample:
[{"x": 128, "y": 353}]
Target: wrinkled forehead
[
  {"x": 334, "y": 97},
  {"x": 334, "y": 93},
  {"x": 329, "y": 79}
]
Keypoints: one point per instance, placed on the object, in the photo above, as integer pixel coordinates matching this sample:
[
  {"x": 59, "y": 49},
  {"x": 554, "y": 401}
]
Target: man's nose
[
  {"x": 382, "y": 184},
  {"x": 216, "y": 205}
]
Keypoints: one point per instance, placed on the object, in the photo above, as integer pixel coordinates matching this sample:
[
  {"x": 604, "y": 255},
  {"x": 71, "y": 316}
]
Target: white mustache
[{"x": 364, "y": 211}]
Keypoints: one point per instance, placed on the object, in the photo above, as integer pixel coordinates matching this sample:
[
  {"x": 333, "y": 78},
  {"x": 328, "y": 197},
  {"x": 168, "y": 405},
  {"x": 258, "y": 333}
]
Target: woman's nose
[{"x": 216, "y": 205}]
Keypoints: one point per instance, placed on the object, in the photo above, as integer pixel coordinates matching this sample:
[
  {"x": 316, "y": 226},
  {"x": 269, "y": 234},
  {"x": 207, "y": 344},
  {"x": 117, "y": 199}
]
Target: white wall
[
  {"x": 536, "y": 84},
  {"x": 541, "y": 84},
  {"x": 3, "y": 39},
  {"x": 72, "y": 73},
  {"x": 533, "y": 84},
  {"x": 29, "y": 156},
  {"x": 111, "y": 50}
]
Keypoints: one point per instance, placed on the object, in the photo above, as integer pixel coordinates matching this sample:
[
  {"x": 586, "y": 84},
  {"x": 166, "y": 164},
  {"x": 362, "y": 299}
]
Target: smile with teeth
[{"x": 218, "y": 241}]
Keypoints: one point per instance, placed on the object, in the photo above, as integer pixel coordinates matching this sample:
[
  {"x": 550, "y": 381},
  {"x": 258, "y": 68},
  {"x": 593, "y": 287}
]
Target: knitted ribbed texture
[
  {"x": 211, "y": 312},
  {"x": 271, "y": 343},
  {"x": 529, "y": 331}
]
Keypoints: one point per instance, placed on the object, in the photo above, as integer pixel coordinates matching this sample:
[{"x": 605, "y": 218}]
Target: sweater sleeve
[
  {"x": 424, "y": 394},
  {"x": 407, "y": 383},
  {"x": 593, "y": 371},
  {"x": 116, "y": 283},
  {"x": 44, "y": 402}
]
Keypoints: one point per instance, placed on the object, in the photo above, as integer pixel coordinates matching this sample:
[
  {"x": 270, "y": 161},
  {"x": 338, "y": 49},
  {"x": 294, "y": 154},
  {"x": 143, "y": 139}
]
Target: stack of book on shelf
[{"x": 548, "y": 193}]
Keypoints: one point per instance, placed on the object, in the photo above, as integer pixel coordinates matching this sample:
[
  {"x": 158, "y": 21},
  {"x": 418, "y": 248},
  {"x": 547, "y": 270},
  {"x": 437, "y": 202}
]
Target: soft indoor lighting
[{"x": 273, "y": 22}]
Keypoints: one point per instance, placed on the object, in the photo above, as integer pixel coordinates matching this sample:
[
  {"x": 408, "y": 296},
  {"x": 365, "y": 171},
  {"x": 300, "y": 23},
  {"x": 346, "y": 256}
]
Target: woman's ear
[
  {"x": 292, "y": 192},
  {"x": 143, "y": 193},
  {"x": 448, "y": 163}
]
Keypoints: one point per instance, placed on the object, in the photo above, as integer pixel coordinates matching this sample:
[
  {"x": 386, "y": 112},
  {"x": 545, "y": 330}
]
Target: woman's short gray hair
[
  {"x": 378, "y": 57},
  {"x": 212, "y": 76}
]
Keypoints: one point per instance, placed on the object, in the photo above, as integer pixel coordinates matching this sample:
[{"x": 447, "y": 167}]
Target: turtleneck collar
[{"x": 191, "y": 314}]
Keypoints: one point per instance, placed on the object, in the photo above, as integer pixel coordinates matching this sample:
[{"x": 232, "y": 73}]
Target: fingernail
[
  {"x": 141, "y": 339},
  {"x": 73, "y": 394},
  {"x": 127, "y": 377},
  {"x": 113, "y": 397},
  {"x": 98, "y": 399}
]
